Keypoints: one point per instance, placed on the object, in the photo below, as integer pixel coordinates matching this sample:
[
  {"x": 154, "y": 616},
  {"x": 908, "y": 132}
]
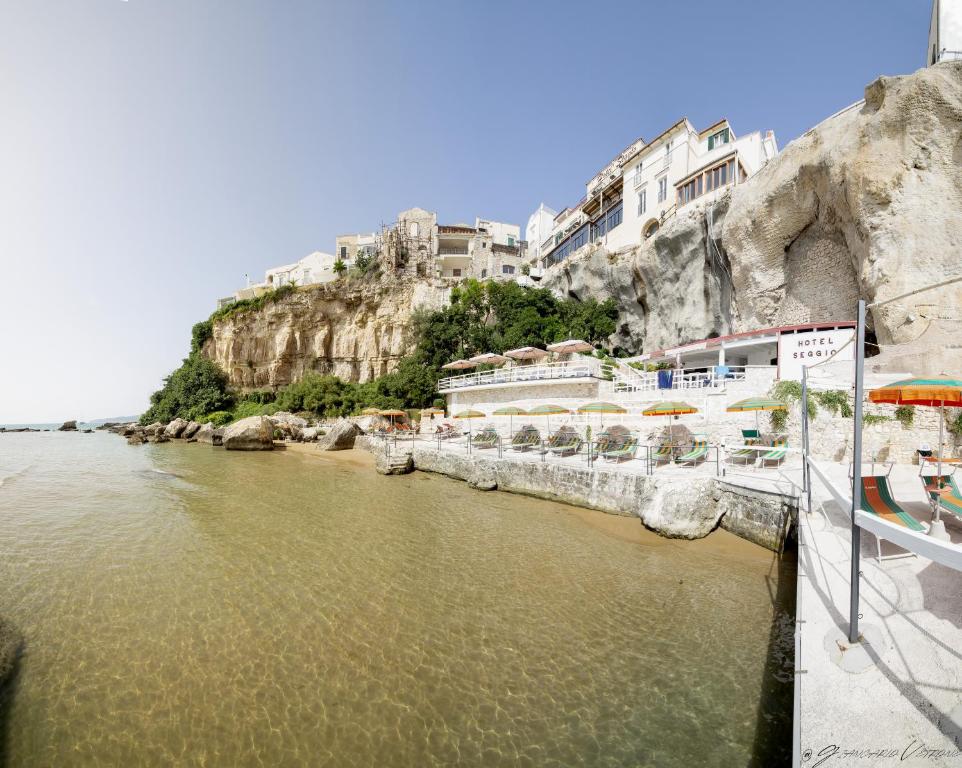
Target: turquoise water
[{"x": 182, "y": 605}]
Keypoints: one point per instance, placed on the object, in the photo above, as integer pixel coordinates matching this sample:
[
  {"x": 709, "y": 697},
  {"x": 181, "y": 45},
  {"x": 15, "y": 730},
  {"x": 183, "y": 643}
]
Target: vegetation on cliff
[{"x": 481, "y": 317}]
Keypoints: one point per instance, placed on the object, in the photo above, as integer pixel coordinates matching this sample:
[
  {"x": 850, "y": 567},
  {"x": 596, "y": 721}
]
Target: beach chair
[
  {"x": 449, "y": 432},
  {"x": 749, "y": 437},
  {"x": 623, "y": 450},
  {"x": 943, "y": 491},
  {"x": 486, "y": 438},
  {"x": 525, "y": 438},
  {"x": 777, "y": 454},
  {"x": 877, "y": 500},
  {"x": 664, "y": 452},
  {"x": 564, "y": 442},
  {"x": 698, "y": 452}
]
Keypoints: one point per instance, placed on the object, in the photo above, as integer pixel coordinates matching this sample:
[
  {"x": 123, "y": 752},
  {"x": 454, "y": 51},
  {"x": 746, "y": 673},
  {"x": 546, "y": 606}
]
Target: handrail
[{"x": 540, "y": 372}]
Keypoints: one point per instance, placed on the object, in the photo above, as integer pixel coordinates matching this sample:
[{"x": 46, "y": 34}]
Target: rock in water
[
  {"x": 255, "y": 433},
  {"x": 158, "y": 437},
  {"x": 190, "y": 430},
  {"x": 68, "y": 426},
  {"x": 310, "y": 434},
  {"x": 340, "y": 438},
  {"x": 128, "y": 429},
  {"x": 136, "y": 438},
  {"x": 176, "y": 428},
  {"x": 153, "y": 429}
]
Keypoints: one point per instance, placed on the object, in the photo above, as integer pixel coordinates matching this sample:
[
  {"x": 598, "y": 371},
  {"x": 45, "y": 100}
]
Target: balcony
[
  {"x": 453, "y": 250},
  {"x": 520, "y": 374}
]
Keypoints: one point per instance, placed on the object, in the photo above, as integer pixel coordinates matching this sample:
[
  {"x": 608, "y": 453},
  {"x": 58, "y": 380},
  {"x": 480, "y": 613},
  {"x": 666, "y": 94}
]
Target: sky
[{"x": 153, "y": 152}]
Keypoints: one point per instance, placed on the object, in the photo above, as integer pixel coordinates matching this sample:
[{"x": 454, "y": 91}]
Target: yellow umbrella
[
  {"x": 391, "y": 413},
  {"x": 547, "y": 410},
  {"x": 669, "y": 408},
  {"x": 601, "y": 409},
  {"x": 469, "y": 414},
  {"x": 757, "y": 404}
]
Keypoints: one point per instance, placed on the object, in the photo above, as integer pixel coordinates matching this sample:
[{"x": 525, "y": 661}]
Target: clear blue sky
[{"x": 152, "y": 152}]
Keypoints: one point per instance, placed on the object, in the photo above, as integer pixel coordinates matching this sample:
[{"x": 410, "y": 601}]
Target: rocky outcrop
[
  {"x": 354, "y": 329},
  {"x": 209, "y": 435},
  {"x": 868, "y": 204},
  {"x": 68, "y": 426},
  {"x": 136, "y": 438},
  {"x": 176, "y": 428},
  {"x": 340, "y": 437},
  {"x": 190, "y": 430},
  {"x": 255, "y": 433},
  {"x": 158, "y": 437},
  {"x": 153, "y": 429}
]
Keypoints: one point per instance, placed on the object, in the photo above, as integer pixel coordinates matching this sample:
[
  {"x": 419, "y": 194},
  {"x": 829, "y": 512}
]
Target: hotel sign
[{"x": 808, "y": 348}]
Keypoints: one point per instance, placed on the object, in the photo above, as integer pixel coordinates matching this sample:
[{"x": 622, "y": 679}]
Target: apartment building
[{"x": 649, "y": 181}]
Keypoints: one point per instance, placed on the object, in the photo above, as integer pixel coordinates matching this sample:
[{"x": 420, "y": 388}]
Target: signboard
[{"x": 812, "y": 347}]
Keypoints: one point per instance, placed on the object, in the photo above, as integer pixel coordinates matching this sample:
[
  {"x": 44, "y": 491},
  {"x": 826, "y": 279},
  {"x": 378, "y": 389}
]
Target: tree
[
  {"x": 199, "y": 386},
  {"x": 339, "y": 267}
]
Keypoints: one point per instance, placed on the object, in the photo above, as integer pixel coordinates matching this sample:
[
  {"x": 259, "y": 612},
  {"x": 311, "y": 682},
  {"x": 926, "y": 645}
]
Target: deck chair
[
  {"x": 486, "y": 438},
  {"x": 448, "y": 432},
  {"x": 943, "y": 491},
  {"x": 777, "y": 454},
  {"x": 564, "y": 442},
  {"x": 749, "y": 437},
  {"x": 698, "y": 452},
  {"x": 877, "y": 500},
  {"x": 663, "y": 453},
  {"x": 623, "y": 452},
  {"x": 525, "y": 438}
]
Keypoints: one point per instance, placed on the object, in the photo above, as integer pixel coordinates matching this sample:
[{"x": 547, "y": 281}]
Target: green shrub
[
  {"x": 440, "y": 402},
  {"x": 835, "y": 401},
  {"x": 252, "y": 408},
  {"x": 954, "y": 423},
  {"x": 244, "y": 305},
  {"x": 905, "y": 415},
  {"x": 199, "y": 386},
  {"x": 219, "y": 418},
  {"x": 869, "y": 419}
]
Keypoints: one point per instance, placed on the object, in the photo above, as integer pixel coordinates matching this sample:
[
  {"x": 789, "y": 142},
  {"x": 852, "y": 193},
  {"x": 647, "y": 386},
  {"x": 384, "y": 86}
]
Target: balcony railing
[
  {"x": 522, "y": 373},
  {"x": 627, "y": 379},
  {"x": 451, "y": 251}
]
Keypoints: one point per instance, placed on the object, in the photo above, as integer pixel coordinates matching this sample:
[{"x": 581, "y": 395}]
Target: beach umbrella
[
  {"x": 488, "y": 358},
  {"x": 669, "y": 408},
  {"x": 756, "y": 404},
  {"x": 433, "y": 411},
  {"x": 526, "y": 353},
  {"x": 392, "y": 413},
  {"x": 469, "y": 414},
  {"x": 601, "y": 409},
  {"x": 458, "y": 365},
  {"x": 570, "y": 345},
  {"x": 371, "y": 412},
  {"x": 547, "y": 410},
  {"x": 510, "y": 411},
  {"x": 932, "y": 391}
]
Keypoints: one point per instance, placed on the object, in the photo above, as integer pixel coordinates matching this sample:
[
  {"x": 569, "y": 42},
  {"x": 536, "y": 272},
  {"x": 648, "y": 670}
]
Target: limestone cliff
[
  {"x": 354, "y": 329},
  {"x": 868, "y": 204}
]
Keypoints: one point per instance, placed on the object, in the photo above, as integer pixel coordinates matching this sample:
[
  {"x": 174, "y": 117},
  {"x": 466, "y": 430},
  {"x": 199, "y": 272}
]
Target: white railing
[
  {"x": 628, "y": 379},
  {"x": 522, "y": 373}
]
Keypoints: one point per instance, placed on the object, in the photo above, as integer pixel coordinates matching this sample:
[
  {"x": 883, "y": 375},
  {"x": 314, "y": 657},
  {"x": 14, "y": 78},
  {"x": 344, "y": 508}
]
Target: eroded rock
[
  {"x": 340, "y": 438},
  {"x": 255, "y": 433}
]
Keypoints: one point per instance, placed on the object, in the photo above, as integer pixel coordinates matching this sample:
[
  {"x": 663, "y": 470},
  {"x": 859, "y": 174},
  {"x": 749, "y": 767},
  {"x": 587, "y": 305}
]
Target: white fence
[
  {"x": 628, "y": 379},
  {"x": 523, "y": 373}
]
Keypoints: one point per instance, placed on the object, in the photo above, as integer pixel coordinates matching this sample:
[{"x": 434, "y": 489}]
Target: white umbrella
[
  {"x": 569, "y": 346},
  {"x": 526, "y": 353},
  {"x": 457, "y": 365},
  {"x": 489, "y": 358}
]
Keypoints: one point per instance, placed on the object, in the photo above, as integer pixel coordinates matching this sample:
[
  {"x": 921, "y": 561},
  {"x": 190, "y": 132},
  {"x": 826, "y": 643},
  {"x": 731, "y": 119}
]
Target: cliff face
[
  {"x": 355, "y": 330},
  {"x": 868, "y": 204}
]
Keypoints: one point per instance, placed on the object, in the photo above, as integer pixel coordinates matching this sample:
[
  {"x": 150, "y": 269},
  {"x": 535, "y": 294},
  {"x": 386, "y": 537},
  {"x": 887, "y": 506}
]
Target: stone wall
[{"x": 676, "y": 507}]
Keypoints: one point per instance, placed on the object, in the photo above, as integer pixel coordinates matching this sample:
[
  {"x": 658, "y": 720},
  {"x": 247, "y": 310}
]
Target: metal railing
[
  {"x": 628, "y": 379},
  {"x": 452, "y": 251},
  {"x": 522, "y": 373}
]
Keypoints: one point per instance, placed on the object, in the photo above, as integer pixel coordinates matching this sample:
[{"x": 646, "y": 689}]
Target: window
[
  {"x": 717, "y": 139},
  {"x": 510, "y": 241},
  {"x": 456, "y": 271},
  {"x": 343, "y": 251},
  {"x": 307, "y": 275},
  {"x": 484, "y": 273},
  {"x": 507, "y": 269},
  {"x": 642, "y": 201},
  {"x": 662, "y": 189},
  {"x": 413, "y": 229}
]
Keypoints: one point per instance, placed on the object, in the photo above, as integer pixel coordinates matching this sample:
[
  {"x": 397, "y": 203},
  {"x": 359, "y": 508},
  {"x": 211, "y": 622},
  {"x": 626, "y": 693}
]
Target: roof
[
  {"x": 456, "y": 229},
  {"x": 714, "y": 127},
  {"x": 775, "y": 331}
]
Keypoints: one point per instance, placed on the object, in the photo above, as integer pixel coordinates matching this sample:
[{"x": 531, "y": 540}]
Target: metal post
[
  {"x": 716, "y": 462},
  {"x": 857, "y": 473},
  {"x": 806, "y": 471}
]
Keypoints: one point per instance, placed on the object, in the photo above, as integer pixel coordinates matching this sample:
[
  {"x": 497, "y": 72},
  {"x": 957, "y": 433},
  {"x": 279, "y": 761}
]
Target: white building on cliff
[{"x": 945, "y": 32}]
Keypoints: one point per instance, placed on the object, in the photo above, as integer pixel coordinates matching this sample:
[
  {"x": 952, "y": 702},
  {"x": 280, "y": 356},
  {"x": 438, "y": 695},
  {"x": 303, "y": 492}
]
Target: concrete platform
[{"x": 896, "y": 698}]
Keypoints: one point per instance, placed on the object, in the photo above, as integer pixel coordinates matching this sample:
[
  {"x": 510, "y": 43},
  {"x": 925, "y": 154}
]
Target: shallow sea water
[{"x": 182, "y": 605}]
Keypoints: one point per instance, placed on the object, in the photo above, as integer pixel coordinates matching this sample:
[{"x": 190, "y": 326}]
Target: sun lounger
[
  {"x": 664, "y": 453},
  {"x": 944, "y": 491},
  {"x": 623, "y": 452},
  {"x": 486, "y": 438},
  {"x": 525, "y": 438},
  {"x": 698, "y": 452},
  {"x": 877, "y": 500},
  {"x": 746, "y": 455},
  {"x": 777, "y": 454},
  {"x": 448, "y": 432},
  {"x": 563, "y": 442}
]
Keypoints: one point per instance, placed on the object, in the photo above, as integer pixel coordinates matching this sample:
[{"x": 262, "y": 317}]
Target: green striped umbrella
[
  {"x": 757, "y": 404},
  {"x": 601, "y": 409},
  {"x": 469, "y": 414},
  {"x": 547, "y": 410},
  {"x": 510, "y": 411},
  {"x": 669, "y": 408}
]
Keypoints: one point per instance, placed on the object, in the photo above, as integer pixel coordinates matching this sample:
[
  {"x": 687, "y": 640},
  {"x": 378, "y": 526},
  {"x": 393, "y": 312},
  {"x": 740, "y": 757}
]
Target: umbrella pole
[{"x": 938, "y": 507}]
